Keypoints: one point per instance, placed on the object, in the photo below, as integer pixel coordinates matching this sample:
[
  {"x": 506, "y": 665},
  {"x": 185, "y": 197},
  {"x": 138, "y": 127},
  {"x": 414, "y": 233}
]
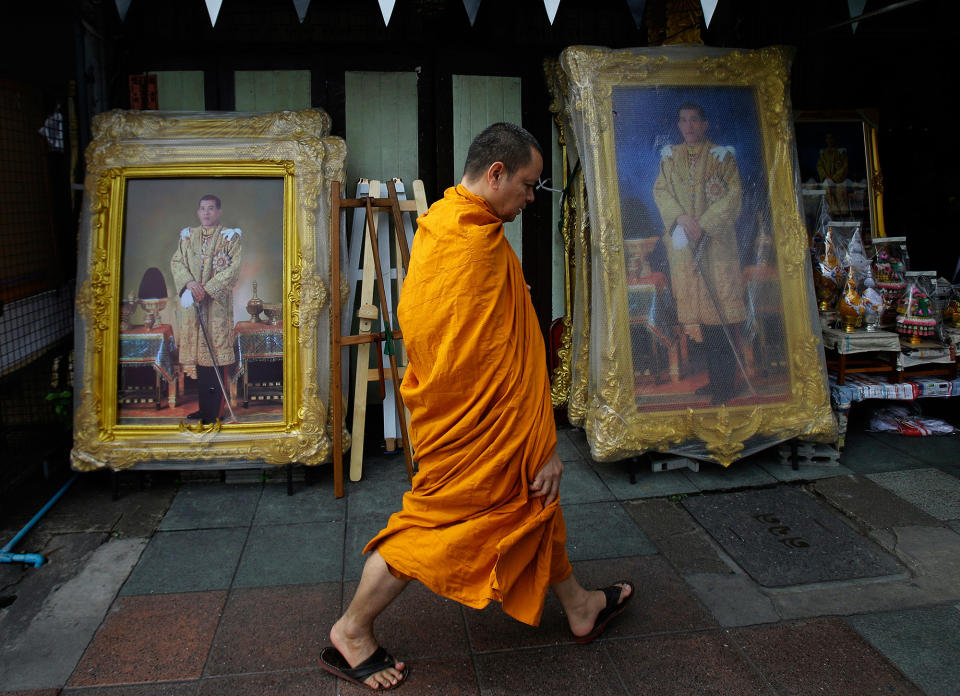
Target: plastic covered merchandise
[
  {"x": 889, "y": 274},
  {"x": 694, "y": 297},
  {"x": 873, "y": 304},
  {"x": 907, "y": 420},
  {"x": 951, "y": 308},
  {"x": 916, "y": 319},
  {"x": 188, "y": 219}
]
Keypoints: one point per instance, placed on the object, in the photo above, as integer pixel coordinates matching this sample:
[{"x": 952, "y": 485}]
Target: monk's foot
[
  {"x": 356, "y": 645},
  {"x": 583, "y": 616}
]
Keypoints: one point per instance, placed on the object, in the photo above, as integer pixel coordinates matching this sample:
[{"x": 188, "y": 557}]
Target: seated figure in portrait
[{"x": 832, "y": 169}]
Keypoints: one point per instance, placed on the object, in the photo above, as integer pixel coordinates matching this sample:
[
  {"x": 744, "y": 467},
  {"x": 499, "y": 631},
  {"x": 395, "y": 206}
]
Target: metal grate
[{"x": 36, "y": 295}]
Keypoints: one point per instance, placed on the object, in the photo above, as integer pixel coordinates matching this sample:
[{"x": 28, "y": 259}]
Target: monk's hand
[
  {"x": 546, "y": 483},
  {"x": 199, "y": 294}
]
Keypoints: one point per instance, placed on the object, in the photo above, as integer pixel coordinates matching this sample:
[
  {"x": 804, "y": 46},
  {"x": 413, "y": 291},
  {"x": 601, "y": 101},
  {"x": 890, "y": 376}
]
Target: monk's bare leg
[
  {"x": 352, "y": 635},
  {"x": 582, "y": 606}
]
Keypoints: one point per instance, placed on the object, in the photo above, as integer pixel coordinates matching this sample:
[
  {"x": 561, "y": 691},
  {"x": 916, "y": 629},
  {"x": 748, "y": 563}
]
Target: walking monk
[{"x": 482, "y": 521}]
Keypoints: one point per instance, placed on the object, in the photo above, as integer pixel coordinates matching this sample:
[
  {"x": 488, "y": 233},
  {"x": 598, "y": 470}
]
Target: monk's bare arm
[{"x": 547, "y": 481}]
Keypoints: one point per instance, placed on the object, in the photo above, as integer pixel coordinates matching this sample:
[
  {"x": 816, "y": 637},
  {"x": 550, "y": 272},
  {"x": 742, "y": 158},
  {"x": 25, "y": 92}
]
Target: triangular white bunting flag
[
  {"x": 471, "y": 6},
  {"x": 551, "y": 6},
  {"x": 213, "y": 7},
  {"x": 122, "y": 7},
  {"x": 856, "y": 9},
  {"x": 708, "y": 8},
  {"x": 386, "y": 9},
  {"x": 302, "y": 7},
  {"x": 636, "y": 9}
]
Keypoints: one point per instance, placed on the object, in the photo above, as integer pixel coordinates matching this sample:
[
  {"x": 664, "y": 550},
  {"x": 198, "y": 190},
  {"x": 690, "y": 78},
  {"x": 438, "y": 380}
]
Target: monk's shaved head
[{"x": 501, "y": 142}]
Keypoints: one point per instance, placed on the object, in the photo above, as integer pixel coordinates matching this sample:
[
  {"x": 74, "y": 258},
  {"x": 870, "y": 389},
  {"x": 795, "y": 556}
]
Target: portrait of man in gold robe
[
  {"x": 704, "y": 311},
  {"x": 698, "y": 195},
  {"x": 205, "y": 267}
]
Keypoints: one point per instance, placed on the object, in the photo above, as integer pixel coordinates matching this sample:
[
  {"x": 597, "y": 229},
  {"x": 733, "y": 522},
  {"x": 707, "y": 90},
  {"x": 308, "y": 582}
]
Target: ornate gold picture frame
[
  {"x": 837, "y": 152},
  {"x": 241, "y": 202},
  {"x": 666, "y": 296}
]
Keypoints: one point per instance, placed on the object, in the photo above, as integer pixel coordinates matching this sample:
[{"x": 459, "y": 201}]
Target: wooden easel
[
  {"x": 363, "y": 273},
  {"x": 391, "y": 204}
]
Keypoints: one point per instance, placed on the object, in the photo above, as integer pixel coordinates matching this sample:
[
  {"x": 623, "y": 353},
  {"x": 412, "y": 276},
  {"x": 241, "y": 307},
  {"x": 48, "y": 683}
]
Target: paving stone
[
  {"x": 88, "y": 506},
  {"x": 490, "y": 629},
  {"x": 663, "y": 604},
  {"x": 43, "y": 651},
  {"x": 603, "y": 530},
  {"x": 732, "y": 599},
  {"x": 30, "y": 587},
  {"x": 164, "y": 689},
  {"x": 923, "y": 643},
  {"x": 312, "y": 504},
  {"x": 933, "y": 554},
  {"x": 822, "y": 656},
  {"x": 253, "y": 620},
  {"x": 782, "y": 537},
  {"x": 312, "y": 682},
  {"x": 523, "y": 671},
  {"x": 682, "y": 542},
  {"x": 805, "y": 472},
  {"x": 150, "y": 639},
  {"x": 704, "y": 663},
  {"x": 870, "y": 453},
  {"x": 440, "y": 677},
  {"x": 360, "y": 530},
  {"x": 292, "y": 554},
  {"x": 212, "y": 505},
  {"x": 581, "y": 484},
  {"x": 187, "y": 561},
  {"x": 380, "y": 490},
  {"x": 578, "y": 438},
  {"x": 936, "y": 449},
  {"x": 871, "y": 504},
  {"x": 566, "y": 449},
  {"x": 740, "y": 474},
  {"x": 649, "y": 484},
  {"x": 420, "y": 625},
  {"x": 931, "y": 490}
]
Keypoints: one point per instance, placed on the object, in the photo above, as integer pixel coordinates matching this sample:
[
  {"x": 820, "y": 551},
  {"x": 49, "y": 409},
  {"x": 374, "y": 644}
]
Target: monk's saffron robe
[{"x": 481, "y": 420}]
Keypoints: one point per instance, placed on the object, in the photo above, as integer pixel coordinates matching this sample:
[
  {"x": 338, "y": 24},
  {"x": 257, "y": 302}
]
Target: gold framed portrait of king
[
  {"x": 703, "y": 335},
  {"x": 202, "y": 320}
]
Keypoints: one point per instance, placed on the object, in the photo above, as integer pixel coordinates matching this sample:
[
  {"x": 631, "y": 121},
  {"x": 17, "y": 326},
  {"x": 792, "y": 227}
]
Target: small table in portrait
[
  {"x": 259, "y": 346},
  {"x": 145, "y": 349}
]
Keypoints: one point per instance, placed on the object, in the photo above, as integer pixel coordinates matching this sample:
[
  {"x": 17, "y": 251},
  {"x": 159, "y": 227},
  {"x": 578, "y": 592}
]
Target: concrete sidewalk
[{"x": 755, "y": 579}]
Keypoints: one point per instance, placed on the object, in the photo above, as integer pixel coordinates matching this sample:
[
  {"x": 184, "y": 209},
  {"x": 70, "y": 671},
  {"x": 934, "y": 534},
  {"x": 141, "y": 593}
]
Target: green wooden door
[
  {"x": 180, "y": 90},
  {"x": 381, "y": 114},
  {"x": 271, "y": 90},
  {"x": 478, "y": 101}
]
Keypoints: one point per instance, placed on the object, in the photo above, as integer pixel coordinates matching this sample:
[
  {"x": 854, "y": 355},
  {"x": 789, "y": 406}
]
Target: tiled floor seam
[
  {"x": 883, "y": 655},
  {"x": 603, "y": 640},
  {"x": 230, "y": 588},
  {"x": 753, "y": 665},
  {"x": 613, "y": 665}
]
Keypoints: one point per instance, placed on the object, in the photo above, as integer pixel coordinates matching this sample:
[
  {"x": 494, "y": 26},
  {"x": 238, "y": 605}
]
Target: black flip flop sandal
[
  {"x": 332, "y": 661},
  {"x": 612, "y": 610}
]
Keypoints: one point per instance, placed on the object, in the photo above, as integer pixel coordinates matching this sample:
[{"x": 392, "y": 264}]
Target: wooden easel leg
[
  {"x": 361, "y": 379},
  {"x": 394, "y": 372},
  {"x": 336, "y": 396}
]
